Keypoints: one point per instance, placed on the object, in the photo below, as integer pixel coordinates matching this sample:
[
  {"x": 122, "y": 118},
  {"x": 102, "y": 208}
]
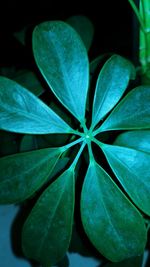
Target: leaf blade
[
  {"x": 138, "y": 140},
  {"x": 84, "y": 27},
  {"x": 24, "y": 173},
  {"x": 111, "y": 84},
  {"x": 51, "y": 224},
  {"x": 132, "y": 113},
  {"x": 109, "y": 226},
  {"x": 131, "y": 168},
  {"x": 23, "y": 112},
  {"x": 62, "y": 60}
]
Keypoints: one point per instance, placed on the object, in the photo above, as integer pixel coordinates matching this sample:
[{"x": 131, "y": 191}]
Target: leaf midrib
[{"x": 108, "y": 216}]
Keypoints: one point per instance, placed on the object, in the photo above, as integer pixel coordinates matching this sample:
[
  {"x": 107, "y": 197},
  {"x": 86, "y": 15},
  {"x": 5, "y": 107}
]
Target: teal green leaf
[
  {"x": 133, "y": 112},
  {"x": 111, "y": 84},
  {"x": 50, "y": 222},
  {"x": 29, "y": 80},
  {"x": 94, "y": 64},
  {"x": 24, "y": 173},
  {"x": 62, "y": 59},
  {"x": 23, "y": 112},
  {"x": 112, "y": 223},
  {"x": 84, "y": 27},
  {"x": 131, "y": 167},
  {"x": 28, "y": 143},
  {"x": 139, "y": 140},
  {"x": 131, "y": 262}
]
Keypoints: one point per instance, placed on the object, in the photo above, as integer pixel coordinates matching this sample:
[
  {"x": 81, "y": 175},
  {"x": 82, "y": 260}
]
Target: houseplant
[{"x": 62, "y": 59}]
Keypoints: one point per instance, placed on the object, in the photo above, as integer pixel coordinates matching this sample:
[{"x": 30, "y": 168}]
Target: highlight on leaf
[
  {"x": 62, "y": 59},
  {"x": 23, "y": 112},
  {"x": 111, "y": 84}
]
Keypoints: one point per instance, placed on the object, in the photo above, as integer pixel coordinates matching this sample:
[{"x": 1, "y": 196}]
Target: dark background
[{"x": 115, "y": 27}]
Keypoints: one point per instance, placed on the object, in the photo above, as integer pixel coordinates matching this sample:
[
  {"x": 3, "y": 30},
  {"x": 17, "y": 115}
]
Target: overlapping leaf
[
  {"x": 24, "y": 173},
  {"x": 111, "y": 84},
  {"x": 131, "y": 167},
  {"x": 23, "y": 112},
  {"x": 84, "y": 27},
  {"x": 139, "y": 140},
  {"x": 112, "y": 223},
  {"x": 62, "y": 59},
  {"x": 47, "y": 231},
  {"x": 133, "y": 112}
]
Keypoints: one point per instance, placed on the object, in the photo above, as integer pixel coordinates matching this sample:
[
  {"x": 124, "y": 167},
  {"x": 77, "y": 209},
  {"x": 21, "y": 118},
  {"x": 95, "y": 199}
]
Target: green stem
[
  {"x": 74, "y": 163},
  {"x": 65, "y": 147},
  {"x": 83, "y": 124},
  {"x": 97, "y": 131},
  {"x": 91, "y": 156},
  {"x": 99, "y": 143},
  {"x": 76, "y": 132},
  {"x": 136, "y": 11}
]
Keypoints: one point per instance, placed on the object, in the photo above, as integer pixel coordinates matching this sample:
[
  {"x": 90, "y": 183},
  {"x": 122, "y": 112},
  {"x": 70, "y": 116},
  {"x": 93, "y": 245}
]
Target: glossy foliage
[
  {"x": 24, "y": 173},
  {"x": 50, "y": 222},
  {"x": 65, "y": 65},
  {"x": 113, "y": 219},
  {"x": 109, "y": 220},
  {"x": 22, "y": 112},
  {"x": 109, "y": 88}
]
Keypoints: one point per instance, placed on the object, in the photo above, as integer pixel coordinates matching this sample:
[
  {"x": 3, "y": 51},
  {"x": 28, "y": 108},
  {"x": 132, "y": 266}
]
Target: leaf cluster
[{"x": 112, "y": 210}]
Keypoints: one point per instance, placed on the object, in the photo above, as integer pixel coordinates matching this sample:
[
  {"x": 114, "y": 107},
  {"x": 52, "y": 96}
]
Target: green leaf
[
  {"x": 112, "y": 223},
  {"x": 29, "y": 80},
  {"x": 131, "y": 167},
  {"x": 84, "y": 27},
  {"x": 23, "y": 112},
  {"x": 62, "y": 59},
  {"x": 94, "y": 64},
  {"x": 28, "y": 143},
  {"x": 139, "y": 140},
  {"x": 24, "y": 173},
  {"x": 133, "y": 112},
  {"x": 47, "y": 231},
  {"x": 111, "y": 84},
  {"x": 131, "y": 262}
]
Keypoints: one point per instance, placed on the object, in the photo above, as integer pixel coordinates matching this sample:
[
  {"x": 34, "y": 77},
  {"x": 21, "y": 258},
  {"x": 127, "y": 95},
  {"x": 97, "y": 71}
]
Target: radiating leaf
[
  {"x": 132, "y": 168},
  {"x": 62, "y": 59},
  {"x": 24, "y": 173},
  {"x": 139, "y": 140},
  {"x": 29, "y": 80},
  {"x": 47, "y": 231},
  {"x": 133, "y": 112},
  {"x": 84, "y": 27},
  {"x": 112, "y": 223},
  {"x": 111, "y": 84},
  {"x": 22, "y": 112}
]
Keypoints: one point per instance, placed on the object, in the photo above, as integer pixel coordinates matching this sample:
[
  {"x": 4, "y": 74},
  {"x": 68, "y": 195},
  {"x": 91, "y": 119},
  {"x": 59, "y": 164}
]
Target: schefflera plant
[{"x": 113, "y": 220}]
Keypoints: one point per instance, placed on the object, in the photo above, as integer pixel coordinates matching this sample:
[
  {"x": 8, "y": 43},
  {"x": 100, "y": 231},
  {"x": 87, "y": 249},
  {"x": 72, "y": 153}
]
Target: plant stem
[
  {"x": 74, "y": 163},
  {"x": 136, "y": 11},
  {"x": 65, "y": 147},
  {"x": 76, "y": 132},
  {"x": 91, "y": 156},
  {"x": 100, "y": 144}
]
